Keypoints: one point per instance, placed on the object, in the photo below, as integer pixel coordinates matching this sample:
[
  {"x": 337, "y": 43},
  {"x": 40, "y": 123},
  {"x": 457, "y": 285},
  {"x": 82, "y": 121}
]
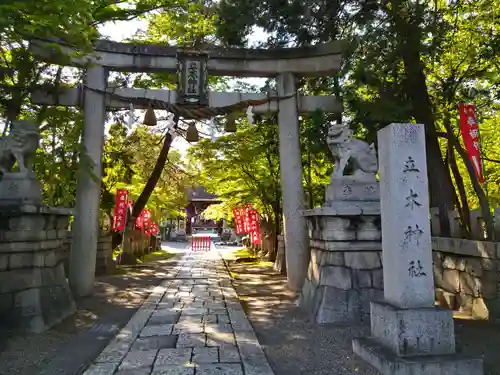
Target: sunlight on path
[{"x": 192, "y": 324}]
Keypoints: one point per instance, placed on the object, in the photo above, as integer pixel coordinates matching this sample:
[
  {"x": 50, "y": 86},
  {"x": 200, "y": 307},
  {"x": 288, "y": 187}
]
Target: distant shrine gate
[{"x": 193, "y": 101}]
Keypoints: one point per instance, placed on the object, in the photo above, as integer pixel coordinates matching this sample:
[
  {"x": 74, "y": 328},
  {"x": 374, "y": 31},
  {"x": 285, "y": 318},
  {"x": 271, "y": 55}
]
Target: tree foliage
[
  {"x": 405, "y": 61},
  {"x": 129, "y": 160},
  {"x": 242, "y": 168}
]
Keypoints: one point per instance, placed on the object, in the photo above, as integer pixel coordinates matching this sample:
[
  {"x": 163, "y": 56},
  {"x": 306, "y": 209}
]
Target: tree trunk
[
  {"x": 309, "y": 179},
  {"x": 150, "y": 184},
  {"x": 409, "y": 33},
  {"x": 153, "y": 178},
  {"x": 481, "y": 196},
  {"x": 276, "y": 229},
  {"x": 464, "y": 209}
]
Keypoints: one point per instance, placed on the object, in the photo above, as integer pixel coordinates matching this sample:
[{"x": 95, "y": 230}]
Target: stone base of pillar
[
  {"x": 387, "y": 363},
  {"x": 34, "y": 291},
  {"x": 345, "y": 270},
  {"x": 413, "y": 341}
]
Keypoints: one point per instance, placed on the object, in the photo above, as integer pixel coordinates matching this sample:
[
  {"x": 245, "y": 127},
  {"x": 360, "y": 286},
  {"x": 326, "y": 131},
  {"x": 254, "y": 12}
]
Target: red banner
[
  {"x": 139, "y": 220},
  {"x": 146, "y": 219},
  {"x": 120, "y": 216},
  {"x": 254, "y": 226},
  {"x": 470, "y": 136},
  {"x": 248, "y": 208},
  {"x": 239, "y": 220},
  {"x": 154, "y": 229}
]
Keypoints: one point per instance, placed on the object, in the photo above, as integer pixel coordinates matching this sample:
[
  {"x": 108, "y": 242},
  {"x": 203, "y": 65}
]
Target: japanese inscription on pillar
[
  {"x": 415, "y": 268},
  {"x": 406, "y": 241},
  {"x": 192, "y": 80}
]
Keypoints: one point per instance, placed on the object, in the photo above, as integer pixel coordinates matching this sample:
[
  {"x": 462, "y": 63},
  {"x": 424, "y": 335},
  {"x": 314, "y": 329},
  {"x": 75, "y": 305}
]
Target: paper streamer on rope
[
  {"x": 250, "y": 115},
  {"x": 171, "y": 126},
  {"x": 130, "y": 116},
  {"x": 212, "y": 129}
]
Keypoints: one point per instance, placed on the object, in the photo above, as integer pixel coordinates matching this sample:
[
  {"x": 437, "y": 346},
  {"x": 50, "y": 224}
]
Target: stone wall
[
  {"x": 345, "y": 268},
  {"x": 477, "y": 222},
  {"x": 280, "y": 261},
  {"x": 34, "y": 291},
  {"x": 343, "y": 278},
  {"x": 104, "y": 257},
  {"x": 467, "y": 276}
]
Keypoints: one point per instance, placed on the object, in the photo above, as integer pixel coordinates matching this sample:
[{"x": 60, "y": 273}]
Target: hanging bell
[
  {"x": 192, "y": 133},
  {"x": 230, "y": 125},
  {"x": 150, "y": 117}
]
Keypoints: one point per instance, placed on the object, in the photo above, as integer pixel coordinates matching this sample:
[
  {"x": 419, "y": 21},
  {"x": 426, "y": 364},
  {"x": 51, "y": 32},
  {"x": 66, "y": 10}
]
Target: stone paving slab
[{"x": 191, "y": 324}]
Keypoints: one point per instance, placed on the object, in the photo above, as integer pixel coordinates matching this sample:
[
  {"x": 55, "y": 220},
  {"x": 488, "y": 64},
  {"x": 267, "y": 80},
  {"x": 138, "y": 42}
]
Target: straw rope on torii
[{"x": 194, "y": 113}]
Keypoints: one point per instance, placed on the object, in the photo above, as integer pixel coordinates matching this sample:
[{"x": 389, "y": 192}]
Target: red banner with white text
[
  {"x": 138, "y": 220},
  {"x": 239, "y": 221},
  {"x": 146, "y": 222},
  {"x": 254, "y": 220},
  {"x": 154, "y": 229},
  {"x": 247, "y": 209},
  {"x": 146, "y": 219},
  {"x": 120, "y": 215},
  {"x": 470, "y": 135}
]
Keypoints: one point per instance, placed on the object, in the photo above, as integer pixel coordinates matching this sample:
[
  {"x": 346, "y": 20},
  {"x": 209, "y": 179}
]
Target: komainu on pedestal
[
  {"x": 345, "y": 270},
  {"x": 18, "y": 183},
  {"x": 34, "y": 292}
]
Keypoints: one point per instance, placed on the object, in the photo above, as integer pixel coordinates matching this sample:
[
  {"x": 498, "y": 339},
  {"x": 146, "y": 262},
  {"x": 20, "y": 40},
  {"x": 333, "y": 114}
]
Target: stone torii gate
[{"x": 284, "y": 64}]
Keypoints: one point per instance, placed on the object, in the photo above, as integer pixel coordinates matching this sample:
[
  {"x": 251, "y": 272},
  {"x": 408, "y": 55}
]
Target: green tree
[
  {"x": 405, "y": 61},
  {"x": 57, "y": 158},
  {"x": 242, "y": 168},
  {"x": 129, "y": 160}
]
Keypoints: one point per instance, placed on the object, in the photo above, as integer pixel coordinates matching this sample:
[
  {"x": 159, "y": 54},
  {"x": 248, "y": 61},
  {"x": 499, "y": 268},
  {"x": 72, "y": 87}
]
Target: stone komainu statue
[
  {"x": 344, "y": 148},
  {"x": 19, "y": 146}
]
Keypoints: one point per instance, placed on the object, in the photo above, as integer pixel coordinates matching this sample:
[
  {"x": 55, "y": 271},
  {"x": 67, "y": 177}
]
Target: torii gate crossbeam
[{"x": 284, "y": 64}]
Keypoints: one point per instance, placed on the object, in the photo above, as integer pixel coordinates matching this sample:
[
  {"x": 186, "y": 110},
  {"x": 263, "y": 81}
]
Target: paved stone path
[{"x": 192, "y": 324}]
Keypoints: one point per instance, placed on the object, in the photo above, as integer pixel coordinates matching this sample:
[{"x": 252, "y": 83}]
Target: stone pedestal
[
  {"x": 408, "y": 334},
  {"x": 345, "y": 270},
  {"x": 20, "y": 189},
  {"x": 349, "y": 188},
  {"x": 34, "y": 291}
]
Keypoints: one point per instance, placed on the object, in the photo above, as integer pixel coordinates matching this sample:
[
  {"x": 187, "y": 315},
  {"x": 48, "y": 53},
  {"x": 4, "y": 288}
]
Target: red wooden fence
[{"x": 200, "y": 243}]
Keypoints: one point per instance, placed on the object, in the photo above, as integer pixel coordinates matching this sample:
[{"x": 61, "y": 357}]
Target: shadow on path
[
  {"x": 295, "y": 345},
  {"x": 68, "y": 346}
]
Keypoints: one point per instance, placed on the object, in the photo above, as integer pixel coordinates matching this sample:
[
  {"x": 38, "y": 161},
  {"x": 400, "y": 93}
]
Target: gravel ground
[
  {"x": 295, "y": 345},
  {"x": 27, "y": 354}
]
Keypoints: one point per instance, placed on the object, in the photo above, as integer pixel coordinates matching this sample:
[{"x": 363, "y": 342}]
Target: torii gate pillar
[
  {"x": 88, "y": 190},
  {"x": 294, "y": 225}
]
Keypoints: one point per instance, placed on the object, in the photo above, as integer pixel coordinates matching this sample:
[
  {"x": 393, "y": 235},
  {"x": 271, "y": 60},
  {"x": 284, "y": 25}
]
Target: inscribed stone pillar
[
  {"x": 85, "y": 227},
  {"x": 295, "y": 232},
  {"x": 409, "y": 335},
  {"x": 406, "y": 232}
]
